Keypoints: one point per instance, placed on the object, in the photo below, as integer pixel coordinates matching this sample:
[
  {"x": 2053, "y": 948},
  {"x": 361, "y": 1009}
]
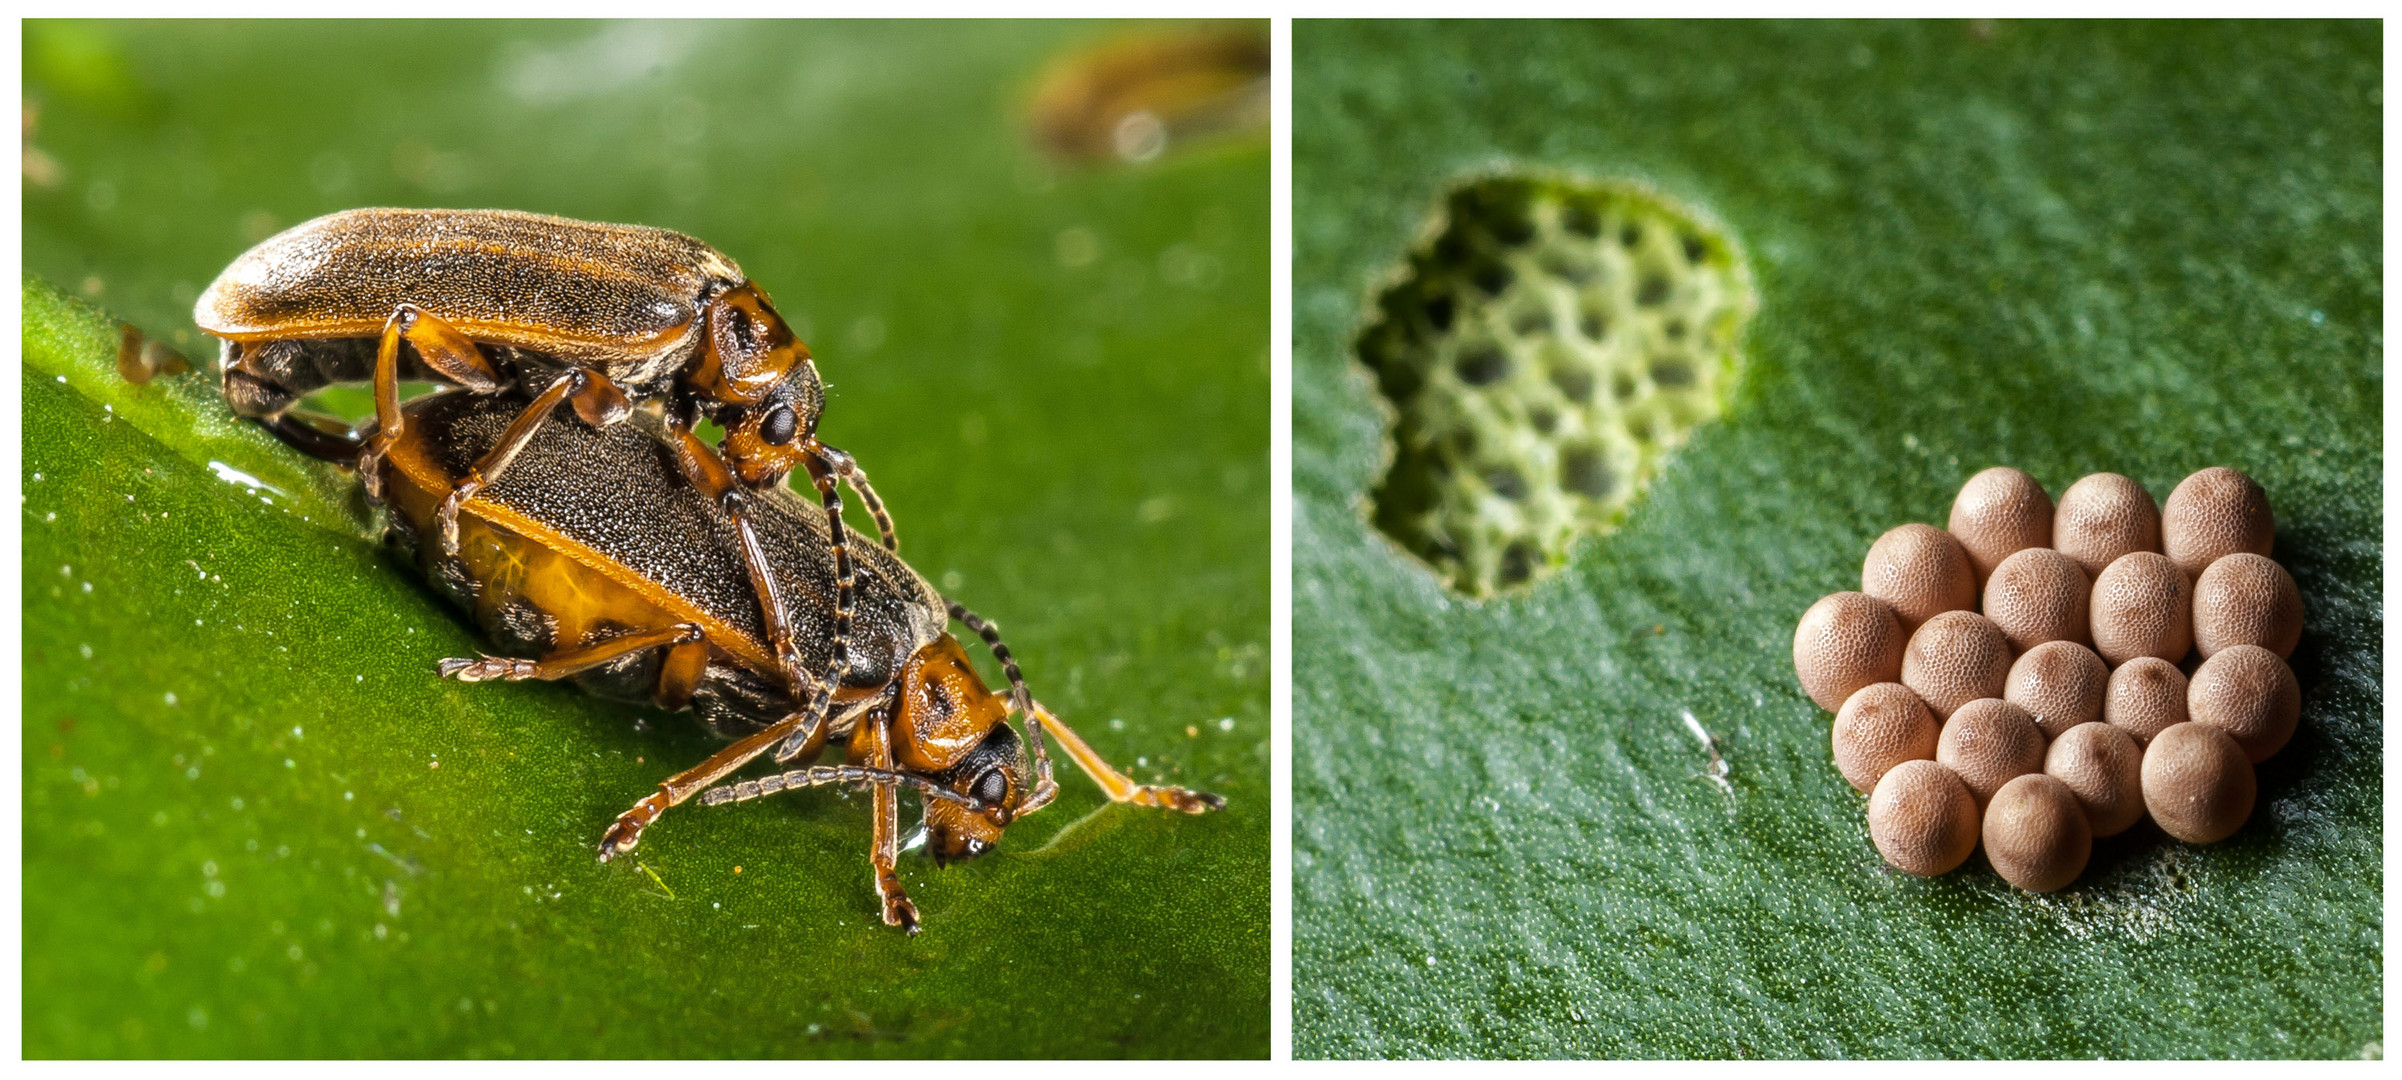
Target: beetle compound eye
[
  {"x": 1541, "y": 354},
  {"x": 780, "y": 426},
  {"x": 991, "y": 788}
]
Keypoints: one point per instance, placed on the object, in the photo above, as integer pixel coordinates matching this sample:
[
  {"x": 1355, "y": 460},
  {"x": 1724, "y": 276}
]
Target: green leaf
[
  {"x": 2071, "y": 248},
  {"x": 256, "y": 823}
]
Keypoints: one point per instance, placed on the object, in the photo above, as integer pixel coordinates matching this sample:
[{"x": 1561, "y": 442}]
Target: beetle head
[
  {"x": 766, "y": 440},
  {"x": 953, "y": 730},
  {"x": 993, "y": 774},
  {"x": 747, "y": 350}
]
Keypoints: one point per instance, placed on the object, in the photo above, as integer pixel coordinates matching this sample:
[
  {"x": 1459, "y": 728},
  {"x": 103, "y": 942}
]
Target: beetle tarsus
[
  {"x": 448, "y": 515},
  {"x": 1184, "y": 800},
  {"x": 899, "y": 910},
  {"x": 626, "y": 832},
  {"x": 486, "y": 668}
]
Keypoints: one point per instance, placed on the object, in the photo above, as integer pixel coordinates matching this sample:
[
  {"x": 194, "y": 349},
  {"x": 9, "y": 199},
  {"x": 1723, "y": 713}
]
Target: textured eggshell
[
  {"x": 1846, "y": 640},
  {"x": 1923, "y": 819},
  {"x": 2249, "y": 693},
  {"x": 2000, "y": 512},
  {"x": 2196, "y": 783},
  {"x": 2036, "y": 835},
  {"x": 1955, "y": 658},
  {"x": 2142, "y": 606},
  {"x": 1990, "y": 742},
  {"x": 2103, "y": 767},
  {"x": 2060, "y": 684},
  {"x": 2246, "y": 599},
  {"x": 1920, "y": 570},
  {"x": 2146, "y": 697},
  {"x": 2103, "y": 517},
  {"x": 2038, "y": 595},
  {"x": 1881, "y": 727},
  {"x": 2215, "y": 513}
]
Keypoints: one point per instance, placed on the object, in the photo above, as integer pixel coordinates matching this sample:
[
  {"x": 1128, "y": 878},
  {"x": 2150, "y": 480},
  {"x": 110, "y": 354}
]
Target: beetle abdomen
[{"x": 601, "y": 294}]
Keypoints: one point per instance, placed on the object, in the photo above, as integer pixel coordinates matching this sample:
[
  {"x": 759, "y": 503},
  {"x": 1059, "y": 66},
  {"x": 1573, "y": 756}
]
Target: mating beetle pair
[{"x": 619, "y": 548}]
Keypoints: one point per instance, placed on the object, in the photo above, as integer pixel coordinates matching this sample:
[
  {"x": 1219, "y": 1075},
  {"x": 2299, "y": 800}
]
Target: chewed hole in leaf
[{"x": 1503, "y": 453}]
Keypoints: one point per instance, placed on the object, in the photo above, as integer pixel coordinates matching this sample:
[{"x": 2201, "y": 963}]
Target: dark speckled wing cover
[
  {"x": 595, "y": 293},
  {"x": 617, "y": 491}
]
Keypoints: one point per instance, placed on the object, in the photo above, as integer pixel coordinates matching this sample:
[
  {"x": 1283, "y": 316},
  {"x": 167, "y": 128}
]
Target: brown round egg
[
  {"x": 2142, "y": 606},
  {"x": 1955, "y": 658},
  {"x": 1990, "y": 742},
  {"x": 2146, "y": 697},
  {"x": 2038, "y": 595},
  {"x": 2196, "y": 783},
  {"x": 1923, "y": 819},
  {"x": 2103, "y": 767},
  {"x": 1999, "y": 513},
  {"x": 2036, "y": 834},
  {"x": 1920, "y": 570},
  {"x": 2103, "y": 517},
  {"x": 1880, "y": 727},
  {"x": 2215, "y": 513},
  {"x": 2060, "y": 684},
  {"x": 2246, "y": 599},
  {"x": 1846, "y": 640},
  {"x": 2249, "y": 693}
]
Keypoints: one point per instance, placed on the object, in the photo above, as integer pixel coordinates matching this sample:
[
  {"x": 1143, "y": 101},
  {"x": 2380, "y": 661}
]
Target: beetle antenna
[
  {"x": 846, "y": 467},
  {"x": 832, "y": 774},
  {"x": 1019, "y": 697}
]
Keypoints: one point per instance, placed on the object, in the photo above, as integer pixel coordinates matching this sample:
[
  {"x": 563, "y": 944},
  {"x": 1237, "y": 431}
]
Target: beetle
[
  {"x": 597, "y": 316},
  {"x": 593, "y": 554}
]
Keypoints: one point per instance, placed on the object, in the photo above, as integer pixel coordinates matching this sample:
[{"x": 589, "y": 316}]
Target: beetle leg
[
  {"x": 263, "y": 381},
  {"x": 708, "y": 472},
  {"x": 838, "y": 661},
  {"x": 885, "y": 845},
  {"x": 680, "y": 673},
  {"x": 322, "y": 437},
  {"x": 496, "y": 460},
  {"x": 562, "y": 665},
  {"x": 442, "y": 348},
  {"x": 1114, "y": 783},
  {"x": 599, "y": 402},
  {"x": 843, "y": 465},
  {"x": 704, "y": 470},
  {"x": 626, "y": 831}
]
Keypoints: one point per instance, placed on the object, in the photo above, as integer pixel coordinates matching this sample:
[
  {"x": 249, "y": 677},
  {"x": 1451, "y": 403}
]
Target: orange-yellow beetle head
[
  {"x": 953, "y": 730},
  {"x": 746, "y": 349},
  {"x": 767, "y": 440},
  {"x": 993, "y": 774},
  {"x": 757, "y": 379}
]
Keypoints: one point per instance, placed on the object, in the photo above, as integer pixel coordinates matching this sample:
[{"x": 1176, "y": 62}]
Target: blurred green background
[
  {"x": 255, "y": 822},
  {"x": 2072, "y": 248}
]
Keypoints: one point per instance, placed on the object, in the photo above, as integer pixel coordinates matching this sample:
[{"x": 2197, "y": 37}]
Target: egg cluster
[
  {"x": 1551, "y": 342},
  {"x": 2125, "y": 660}
]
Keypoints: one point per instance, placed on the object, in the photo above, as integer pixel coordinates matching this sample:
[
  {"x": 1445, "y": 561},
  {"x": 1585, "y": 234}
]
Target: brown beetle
[
  {"x": 597, "y": 316},
  {"x": 594, "y": 554}
]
